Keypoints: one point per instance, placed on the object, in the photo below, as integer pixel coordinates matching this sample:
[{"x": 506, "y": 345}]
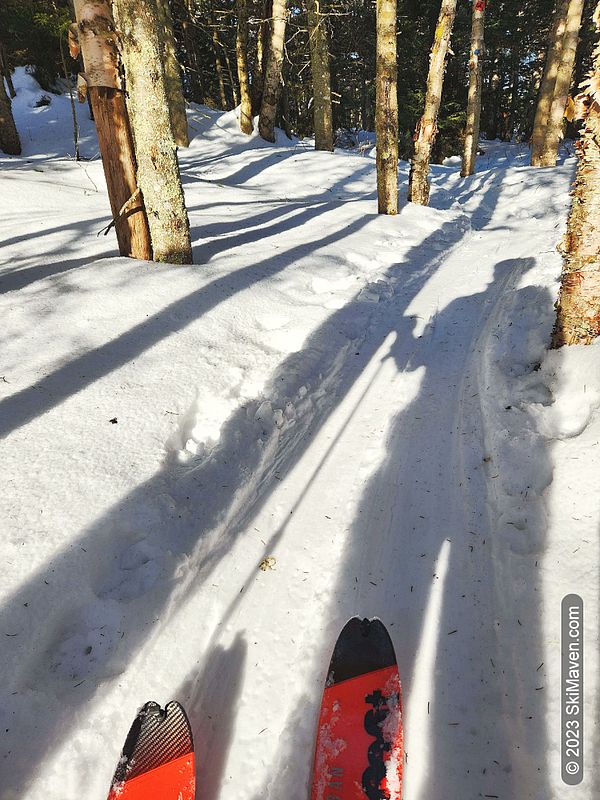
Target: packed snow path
[{"x": 332, "y": 394}]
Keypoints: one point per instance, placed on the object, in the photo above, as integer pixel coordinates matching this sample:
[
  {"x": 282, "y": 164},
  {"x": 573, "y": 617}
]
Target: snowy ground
[{"x": 367, "y": 401}]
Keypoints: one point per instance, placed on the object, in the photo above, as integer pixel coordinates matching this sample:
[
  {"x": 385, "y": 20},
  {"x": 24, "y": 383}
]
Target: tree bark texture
[
  {"x": 241, "y": 49},
  {"x": 98, "y": 42},
  {"x": 9, "y": 136},
  {"x": 321, "y": 76},
  {"x": 386, "y": 111},
  {"x": 546, "y": 91},
  {"x": 578, "y": 308},
  {"x": 219, "y": 67},
  {"x": 158, "y": 172},
  {"x": 475, "y": 85},
  {"x": 554, "y": 128},
  {"x": 272, "y": 82},
  {"x": 418, "y": 183},
  {"x": 262, "y": 50},
  {"x": 5, "y": 70},
  {"x": 172, "y": 76}
]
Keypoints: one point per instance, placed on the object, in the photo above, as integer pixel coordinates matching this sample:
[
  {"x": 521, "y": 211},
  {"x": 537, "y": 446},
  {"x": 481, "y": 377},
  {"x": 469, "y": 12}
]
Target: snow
[{"x": 367, "y": 401}]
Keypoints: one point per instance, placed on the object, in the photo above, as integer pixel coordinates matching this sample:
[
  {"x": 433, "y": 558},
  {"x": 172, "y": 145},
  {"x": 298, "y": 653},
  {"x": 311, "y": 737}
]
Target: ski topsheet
[
  {"x": 359, "y": 752},
  {"x": 157, "y": 760}
]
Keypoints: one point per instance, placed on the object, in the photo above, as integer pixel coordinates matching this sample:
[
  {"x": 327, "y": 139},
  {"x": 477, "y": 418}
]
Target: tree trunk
[
  {"x": 546, "y": 91},
  {"x": 158, "y": 171},
  {"x": 418, "y": 183},
  {"x": 97, "y": 39},
  {"x": 321, "y": 77},
  {"x": 386, "y": 111},
  {"x": 272, "y": 85},
  {"x": 554, "y": 129},
  {"x": 578, "y": 308},
  {"x": 475, "y": 80},
  {"x": 174, "y": 86},
  {"x": 241, "y": 49},
  {"x": 262, "y": 49},
  {"x": 219, "y": 67},
  {"x": 9, "y": 136},
  {"x": 5, "y": 70}
]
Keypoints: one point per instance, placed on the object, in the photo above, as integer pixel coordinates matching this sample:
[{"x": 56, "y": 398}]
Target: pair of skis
[{"x": 359, "y": 748}]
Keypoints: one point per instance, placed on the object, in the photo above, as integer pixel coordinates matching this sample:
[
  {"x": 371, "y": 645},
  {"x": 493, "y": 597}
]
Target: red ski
[
  {"x": 359, "y": 749},
  {"x": 157, "y": 761}
]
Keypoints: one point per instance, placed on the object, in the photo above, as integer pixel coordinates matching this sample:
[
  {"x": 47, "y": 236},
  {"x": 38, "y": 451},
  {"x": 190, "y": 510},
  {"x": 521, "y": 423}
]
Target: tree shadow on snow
[{"x": 116, "y": 579}]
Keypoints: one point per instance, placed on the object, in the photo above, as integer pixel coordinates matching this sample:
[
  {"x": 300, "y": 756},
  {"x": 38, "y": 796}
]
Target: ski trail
[{"x": 377, "y": 517}]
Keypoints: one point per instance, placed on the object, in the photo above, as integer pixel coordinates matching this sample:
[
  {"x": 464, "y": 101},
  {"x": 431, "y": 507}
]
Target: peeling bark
[
  {"x": 386, "y": 111},
  {"x": 418, "y": 183},
  {"x": 578, "y": 307},
  {"x": 96, "y": 36}
]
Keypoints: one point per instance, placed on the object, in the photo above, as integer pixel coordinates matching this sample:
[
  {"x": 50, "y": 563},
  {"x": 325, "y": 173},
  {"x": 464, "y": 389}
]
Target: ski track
[{"x": 360, "y": 465}]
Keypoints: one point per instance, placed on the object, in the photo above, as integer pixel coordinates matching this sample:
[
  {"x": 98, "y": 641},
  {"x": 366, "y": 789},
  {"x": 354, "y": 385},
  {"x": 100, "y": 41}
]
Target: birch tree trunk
[
  {"x": 272, "y": 84},
  {"x": 321, "y": 76},
  {"x": 158, "y": 172},
  {"x": 9, "y": 136},
  {"x": 97, "y": 38},
  {"x": 241, "y": 49},
  {"x": 475, "y": 83},
  {"x": 174, "y": 86},
  {"x": 386, "y": 109},
  {"x": 546, "y": 91},
  {"x": 554, "y": 129},
  {"x": 578, "y": 308},
  {"x": 418, "y": 183}
]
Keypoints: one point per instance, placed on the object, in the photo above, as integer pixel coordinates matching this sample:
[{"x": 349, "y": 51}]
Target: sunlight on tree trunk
[
  {"x": 475, "y": 81},
  {"x": 241, "y": 49},
  {"x": 546, "y": 92},
  {"x": 147, "y": 102},
  {"x": 98, "y": 42},
  {"x": 418, "y": 183},
  {"x": 321, "y": 78},
  {"x": 173, "y": 76},
  {"x": 564, "y": 76},
  {"x": 386, "y": 111},
  {"x": 578, "y": 308},
  {"x": 272, "y": 84}
]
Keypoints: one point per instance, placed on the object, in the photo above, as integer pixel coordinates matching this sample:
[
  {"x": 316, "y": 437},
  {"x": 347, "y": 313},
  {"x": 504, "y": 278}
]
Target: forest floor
[{"x": 366, "y": 402}]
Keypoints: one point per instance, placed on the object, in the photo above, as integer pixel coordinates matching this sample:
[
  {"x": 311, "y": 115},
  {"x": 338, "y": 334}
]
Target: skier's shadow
[
  {"x": 212, "y": 719},
  {"x": 427, "y": 445}
]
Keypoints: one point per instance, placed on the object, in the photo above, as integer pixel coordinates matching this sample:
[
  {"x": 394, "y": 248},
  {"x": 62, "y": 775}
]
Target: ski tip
[
  {"x": 156, "y": 737},
  {"x": 364, "y": 645}
]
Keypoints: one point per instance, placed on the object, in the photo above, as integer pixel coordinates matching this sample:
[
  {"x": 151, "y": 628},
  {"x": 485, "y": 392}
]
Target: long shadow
[
  {"x": 23, "y": 406},
  {"x": 212, "y": 720},
  {"x": 434, "y": 476},
  {"x": 115, "y": 579},
  {"x": 20, "y": 278}
]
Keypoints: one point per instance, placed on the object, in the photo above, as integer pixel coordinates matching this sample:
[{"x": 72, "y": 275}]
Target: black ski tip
[
  {"x": 156, "y": 737},
  {"x": 364, "y": 645}
]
